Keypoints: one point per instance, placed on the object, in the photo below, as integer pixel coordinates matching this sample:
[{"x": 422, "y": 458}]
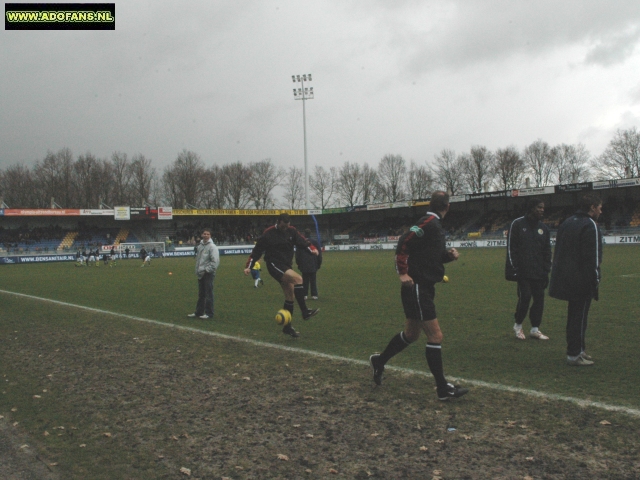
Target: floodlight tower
[{"x": 304, "y": 93}]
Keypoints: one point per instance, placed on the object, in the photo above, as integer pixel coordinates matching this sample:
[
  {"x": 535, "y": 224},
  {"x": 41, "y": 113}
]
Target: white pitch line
[{"x": 478, "y": 383}]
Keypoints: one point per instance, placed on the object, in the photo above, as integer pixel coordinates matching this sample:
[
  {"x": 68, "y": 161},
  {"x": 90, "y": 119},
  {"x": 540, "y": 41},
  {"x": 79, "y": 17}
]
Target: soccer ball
[{"x": 283, "y": 317}]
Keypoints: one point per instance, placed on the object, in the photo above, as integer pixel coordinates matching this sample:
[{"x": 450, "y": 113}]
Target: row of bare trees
[{"x": 89, "y": 182}]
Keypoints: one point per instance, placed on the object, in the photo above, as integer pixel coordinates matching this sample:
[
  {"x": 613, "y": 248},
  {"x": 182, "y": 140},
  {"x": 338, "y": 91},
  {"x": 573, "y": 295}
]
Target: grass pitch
[
  {"x": 361, "y": 311},
  {"x": 172, "y": 399}
]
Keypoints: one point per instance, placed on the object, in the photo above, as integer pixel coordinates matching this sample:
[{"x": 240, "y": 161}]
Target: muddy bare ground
[{"x": 106, "y": 398}]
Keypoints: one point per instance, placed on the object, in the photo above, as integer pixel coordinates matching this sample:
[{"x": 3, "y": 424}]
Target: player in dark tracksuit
[
  {"x": 575, "y": 275},
  {"x": 420, "y": 257},
  {"x": 277, "y": 243},
  {"x": 528, "y": 263}
]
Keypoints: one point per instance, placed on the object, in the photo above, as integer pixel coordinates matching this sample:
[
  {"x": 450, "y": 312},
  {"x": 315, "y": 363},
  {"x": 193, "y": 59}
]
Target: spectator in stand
[
  {"x": 126, "y": 252},
  {"x": 309, "y": 264}
]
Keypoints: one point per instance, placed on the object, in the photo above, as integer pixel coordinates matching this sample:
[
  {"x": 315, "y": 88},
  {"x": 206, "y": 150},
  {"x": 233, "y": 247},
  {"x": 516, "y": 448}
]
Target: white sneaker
[
  {"x": 204, "y": 317},
  {"x": 538, "y": 335},
  {"x": 519, "y": 334},
  {"x": 314, "y": 298},
  {"x": 192, "y": 315}
]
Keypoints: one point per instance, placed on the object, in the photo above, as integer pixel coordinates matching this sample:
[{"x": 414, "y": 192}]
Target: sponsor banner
[
  {"x": 476, "y": 196},
  {"x": 375, "y": 240},
  {"x": 624, "y": 239},
  {"x": 42, "y": 212},
  {"x": 181, "y": 212},
  {"x": 36, "y": 259},
  {"x": 624, "y": 182},
  {"x": 316, "y": 211},
  {"x": 400, "y": 204},
  {"x": 1, "y": 211},
  {"x": 122, "y": 213},
  {"x": 378, "y": 206},
  {"x": 425, "y": 203},
  {"x": 525, "y": 192},
  {"x": 333, "y": 210},
  {"x": 341, "y": 237},
  {"x": 189, "y": 253},
  {"x": 573, "y": 187},
  {"x": 457, "y": 198},
  {"x": 358, "y": 208},
  {"x": 99, "y": 212},
  {"x": 393, "y": 238},
  {"x": 165, "y": 213}
]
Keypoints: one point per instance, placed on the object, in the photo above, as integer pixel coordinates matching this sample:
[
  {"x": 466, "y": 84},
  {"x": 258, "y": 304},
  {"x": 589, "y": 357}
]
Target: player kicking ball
[{"x": 277, "y": 243}]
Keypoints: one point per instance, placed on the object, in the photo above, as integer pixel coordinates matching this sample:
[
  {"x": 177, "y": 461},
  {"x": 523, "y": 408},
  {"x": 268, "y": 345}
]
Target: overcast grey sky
[{"x": 404, "y": 77}]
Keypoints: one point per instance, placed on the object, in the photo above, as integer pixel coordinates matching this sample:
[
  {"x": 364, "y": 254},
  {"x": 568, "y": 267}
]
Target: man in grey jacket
[{"x": 207, "y": 261}]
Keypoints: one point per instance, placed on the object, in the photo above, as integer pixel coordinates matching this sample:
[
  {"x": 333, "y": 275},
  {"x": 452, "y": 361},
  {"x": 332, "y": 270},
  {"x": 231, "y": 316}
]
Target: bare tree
[
  {"x": 540, "y": 161},
  {"x": 349, "y": 186},
  {"x": 17, "y": 187},
  {"x": 392, "y": 172},
  {"x": 478, "y": 168},
  {"x": 448, "y": 171},
  {"x": 322, "y": 184},
  {"x": 294, "y": 188},
  {"x": 214, "y": 185},
  {"x": 509, "y": 168},
  {"x": 369, "y": 184},
  {"x": 183, "y": 179},
  {"x": 265, "y": 176},
  {"x": 621, "y": 158},
  {"x": 54, "y": 178},
  {"x": 420, "y": 182},
  {"x": 571, "y": 163},
  {"x": 237, "y": 181},
  {"x": 122, "y": 178},
  {"x": 87, "y": 177},
  {"x": 143, "y": 176}
]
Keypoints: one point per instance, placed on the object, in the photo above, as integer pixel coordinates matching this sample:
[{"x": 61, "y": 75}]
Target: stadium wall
[{"x": 246, "y": 249}]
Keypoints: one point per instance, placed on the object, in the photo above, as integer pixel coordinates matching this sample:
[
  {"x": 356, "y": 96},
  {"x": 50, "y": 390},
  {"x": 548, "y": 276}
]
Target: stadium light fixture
[{"x": 304, "y": 93}]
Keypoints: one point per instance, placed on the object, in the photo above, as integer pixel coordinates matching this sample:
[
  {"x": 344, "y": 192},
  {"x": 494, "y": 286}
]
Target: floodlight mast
[{"x": 304, "y": 94}]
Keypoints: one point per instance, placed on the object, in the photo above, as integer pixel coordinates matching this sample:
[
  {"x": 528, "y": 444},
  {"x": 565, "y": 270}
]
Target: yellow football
[
  {"x": 445, "y": 279},
  {"x": 283, "y": 317}
]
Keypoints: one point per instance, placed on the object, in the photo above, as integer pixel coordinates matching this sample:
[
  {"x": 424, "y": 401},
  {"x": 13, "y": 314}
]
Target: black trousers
[
  {"x": 205, "y": 295},
  {"x": 577, "y": 314},
  {"x": 309, "y": 279},
  {"x": 528, "y": 289}
]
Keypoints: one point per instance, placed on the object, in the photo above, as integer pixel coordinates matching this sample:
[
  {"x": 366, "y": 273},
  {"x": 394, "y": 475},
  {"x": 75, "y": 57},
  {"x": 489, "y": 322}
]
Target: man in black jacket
[
  {"x": 309, "y": 264},
  {"x": 276, "y": 243},
  {"x": 528, "y": 263},
  {"x": 575, "y": 276},
  {"x": 420, "y": 257}
]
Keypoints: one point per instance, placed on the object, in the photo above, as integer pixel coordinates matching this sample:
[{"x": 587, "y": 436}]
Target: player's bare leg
[{"x": 292, "y": 286}]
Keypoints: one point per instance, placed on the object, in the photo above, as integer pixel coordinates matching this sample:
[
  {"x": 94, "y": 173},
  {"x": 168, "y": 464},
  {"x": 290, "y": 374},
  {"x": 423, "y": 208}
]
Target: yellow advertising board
[{"x": 228, "y": 212}]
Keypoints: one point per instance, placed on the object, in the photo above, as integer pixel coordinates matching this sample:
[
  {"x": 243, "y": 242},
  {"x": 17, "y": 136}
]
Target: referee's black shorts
[
  {"x": 276, "y": 270},
  {"x": 417, "y": 301}
]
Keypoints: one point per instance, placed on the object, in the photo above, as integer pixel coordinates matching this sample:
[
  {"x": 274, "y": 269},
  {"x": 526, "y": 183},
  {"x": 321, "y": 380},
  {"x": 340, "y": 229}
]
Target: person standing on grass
[
  {"x": 420, "y": 257},
  {"x": 309, "y": 264},
  {"x": 255, "y": 274},
  {"x": 575, "y": 275},
  {"x": 277, "y": 243},
  {"x": 528, "y": 263},
  {"x": 207, "y": 261}
]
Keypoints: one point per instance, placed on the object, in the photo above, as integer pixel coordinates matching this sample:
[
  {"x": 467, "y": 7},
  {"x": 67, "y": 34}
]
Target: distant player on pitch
[
  {"x": 255, "y": 274},
  {"x": 420, "y": 258},
  {"x": 277, "y": 243}
]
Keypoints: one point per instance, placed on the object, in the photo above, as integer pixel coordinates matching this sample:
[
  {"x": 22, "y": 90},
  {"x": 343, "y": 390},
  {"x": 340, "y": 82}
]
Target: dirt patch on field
[{"x": 108, "y": 398}]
